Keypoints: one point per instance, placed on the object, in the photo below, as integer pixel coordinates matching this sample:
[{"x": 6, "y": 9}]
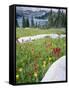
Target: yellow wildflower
[
  {"x": 20, "y": 69},
  {"x": 17, "y": 76},
  {"x": 44, "y": 65},
  {"x": 50, "y": 58},
  {"x": 44, "y": 62},
  {"x": 35, "y": 74}
]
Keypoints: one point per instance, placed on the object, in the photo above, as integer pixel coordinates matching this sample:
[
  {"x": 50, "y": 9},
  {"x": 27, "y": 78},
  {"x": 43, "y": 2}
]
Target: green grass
[
  {"x": 34, "y": 58},
  {"x": 34, "y": 31}
]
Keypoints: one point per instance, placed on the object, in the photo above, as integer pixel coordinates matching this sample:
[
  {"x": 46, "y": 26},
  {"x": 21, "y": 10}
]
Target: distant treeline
[{"x": 55, "y": 19}]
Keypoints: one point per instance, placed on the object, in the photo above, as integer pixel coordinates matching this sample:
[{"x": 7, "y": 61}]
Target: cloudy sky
[{"x": 36, "y": 9}]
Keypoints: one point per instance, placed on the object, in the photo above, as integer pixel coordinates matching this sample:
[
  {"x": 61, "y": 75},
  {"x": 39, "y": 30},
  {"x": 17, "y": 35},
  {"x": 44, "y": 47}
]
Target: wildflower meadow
[{"x": 33, "y": 59}]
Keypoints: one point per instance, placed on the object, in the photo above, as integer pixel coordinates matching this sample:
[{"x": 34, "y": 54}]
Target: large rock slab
[
  {"x": 57, "y": 71},
  {"x": 35, "y": 37}
]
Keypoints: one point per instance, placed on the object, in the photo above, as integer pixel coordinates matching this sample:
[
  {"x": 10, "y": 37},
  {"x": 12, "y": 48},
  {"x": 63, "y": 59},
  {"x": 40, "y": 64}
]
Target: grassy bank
[{"x": 35, "y": 31}]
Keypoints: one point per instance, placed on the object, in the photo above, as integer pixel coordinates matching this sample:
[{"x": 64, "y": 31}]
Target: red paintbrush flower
[
  {"x": 29, "y": 74},
  {"x": 56, "y": 51},
  {"x": 32, "y": 50}
]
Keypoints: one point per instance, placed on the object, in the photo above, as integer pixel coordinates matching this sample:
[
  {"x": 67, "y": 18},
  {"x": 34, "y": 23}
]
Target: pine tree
[
  {"x": 58, "y": 22},
  {"x": 32, "y": 22},
  {"x": 23, "y": 21},
  {"x": 50, "y": 19},
  {"x": 27, "y": 22},
  {"x": 64, "y": 19}
]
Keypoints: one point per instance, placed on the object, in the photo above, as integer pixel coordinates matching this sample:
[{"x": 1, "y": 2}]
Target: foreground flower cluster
[{"x": 34, "y": 58}]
